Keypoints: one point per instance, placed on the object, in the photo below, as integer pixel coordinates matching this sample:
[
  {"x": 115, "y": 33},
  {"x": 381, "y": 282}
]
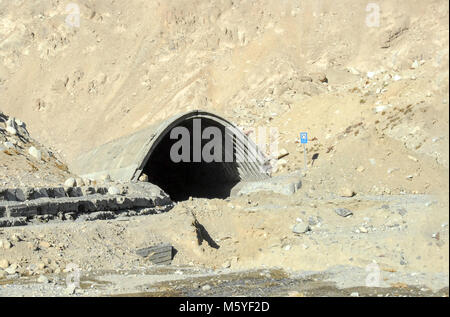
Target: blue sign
[{"x": 303, "y": 137}]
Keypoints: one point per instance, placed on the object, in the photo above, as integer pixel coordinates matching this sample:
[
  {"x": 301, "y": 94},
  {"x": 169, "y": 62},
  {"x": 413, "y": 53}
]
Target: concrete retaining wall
[{"x": 21, "y": 205}]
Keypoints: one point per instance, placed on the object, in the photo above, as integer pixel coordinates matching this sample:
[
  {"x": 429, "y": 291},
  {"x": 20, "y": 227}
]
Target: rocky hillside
[
  {"x": 23, "y": 161},
  {"x": 369, "y": 83}
]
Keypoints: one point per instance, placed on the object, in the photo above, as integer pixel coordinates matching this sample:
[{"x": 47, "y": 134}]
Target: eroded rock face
[{"x": 19, "y": 206}]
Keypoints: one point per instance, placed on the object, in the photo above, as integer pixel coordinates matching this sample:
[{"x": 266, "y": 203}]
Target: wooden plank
[
  {"x": 160, "y": 254},
  {"x": 160, "y": 260}
]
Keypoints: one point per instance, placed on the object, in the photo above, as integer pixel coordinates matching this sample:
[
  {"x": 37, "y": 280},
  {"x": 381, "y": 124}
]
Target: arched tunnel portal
[{"x": 196, "y": 154}]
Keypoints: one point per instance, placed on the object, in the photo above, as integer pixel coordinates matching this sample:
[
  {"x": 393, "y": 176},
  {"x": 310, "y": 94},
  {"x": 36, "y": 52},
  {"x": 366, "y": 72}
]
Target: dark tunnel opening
[{"x": 181, "y": 180}]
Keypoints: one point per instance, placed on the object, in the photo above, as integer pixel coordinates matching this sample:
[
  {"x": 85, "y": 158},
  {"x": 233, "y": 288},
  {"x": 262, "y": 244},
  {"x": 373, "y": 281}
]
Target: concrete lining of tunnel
[{"x": 124, "y": 159}]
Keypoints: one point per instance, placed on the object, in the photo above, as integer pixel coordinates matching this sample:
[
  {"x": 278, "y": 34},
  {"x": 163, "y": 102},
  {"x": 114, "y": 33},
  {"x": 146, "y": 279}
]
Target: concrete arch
[{"x": 124, "y": 159}]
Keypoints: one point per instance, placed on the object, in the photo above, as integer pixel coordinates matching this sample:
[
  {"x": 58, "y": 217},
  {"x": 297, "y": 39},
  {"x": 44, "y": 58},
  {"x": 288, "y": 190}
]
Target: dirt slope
[{"x": 129, "y": 64}]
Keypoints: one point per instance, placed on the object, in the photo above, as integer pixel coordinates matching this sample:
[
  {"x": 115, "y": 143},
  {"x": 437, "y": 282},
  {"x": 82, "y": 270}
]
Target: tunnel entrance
[
  {"x": 197, "y": 179},
  {"x": 148, "y": 151}
]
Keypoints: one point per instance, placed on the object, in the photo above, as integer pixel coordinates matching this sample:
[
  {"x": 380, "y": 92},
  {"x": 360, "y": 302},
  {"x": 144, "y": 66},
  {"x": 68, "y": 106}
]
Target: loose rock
[
  {"x": 79, "y": 182},
  {"x": 206, "y": 287},
  {"x": 226, "y": 265},
  {"x": 343, "y": 212},
  {"x": 4, "y": 264},
  {"x": 360, "y": 169},
  {"x": 313, "y": 221},
  {"x": 300, "y": 228},
  {"x": 16, "y": 238},
  {"x": 320, "y": 77},
  {"x": 8, "y": 145},
  {"x": 35, "y": 153},
  {"x": 5, "y": 244},
  {"x": 113, "y": 190},
  {"x": 346, "y": 192},
  {"x": 12, "y": 269},
  {"x": 402, "y": 211},
  {"x": 11, "y": 130},
  {"x": 43, "y": 279},
  {"x": 70, "y": 182},
  {"x": 70, "y": 290}
]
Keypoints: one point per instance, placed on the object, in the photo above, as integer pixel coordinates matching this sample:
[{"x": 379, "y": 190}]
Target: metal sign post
[{"x": 304, "y": 141}]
